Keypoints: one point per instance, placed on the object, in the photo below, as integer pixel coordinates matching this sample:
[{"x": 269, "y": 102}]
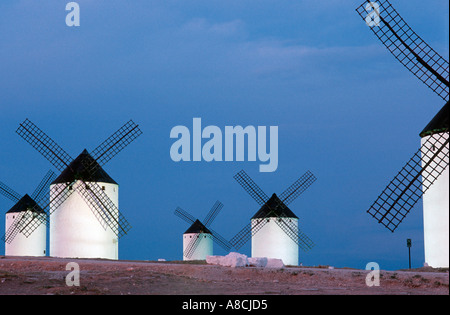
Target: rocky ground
[{"x": 47, "y": 276}]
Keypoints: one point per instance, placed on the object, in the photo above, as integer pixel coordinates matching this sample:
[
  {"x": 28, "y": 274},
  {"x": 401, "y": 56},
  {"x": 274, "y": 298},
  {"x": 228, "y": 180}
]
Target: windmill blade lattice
[
  {"x": 103, "y": 208},
  {"x": 192, "y": 246},
  {"x": 115, "y": 143},
  {"x": 408, "y": 47},
  {"x": 300, "y": 238},
  {"x": 297, "y": 188},
  {"x": 184, "y": 215},
  {"x": 212, "y": 214},
  {"x": 44, "y": 145},
  {"x": 9, "y": 193},
  {"x": 413, "y": 180},
  {"x": 244, "y": 235},
  {"x": 251, "y": 188},
  {"x": 42, "y": 188}
]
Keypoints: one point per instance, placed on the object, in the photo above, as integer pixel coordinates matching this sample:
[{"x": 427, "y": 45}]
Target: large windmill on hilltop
[
  {"x": 26, "y": 212},
  {"x": 426, "y": 173},
  {"x": 274, "y": 228},
  {"x": 198, "y": 238},
  {"x": 87, "y": 224}
]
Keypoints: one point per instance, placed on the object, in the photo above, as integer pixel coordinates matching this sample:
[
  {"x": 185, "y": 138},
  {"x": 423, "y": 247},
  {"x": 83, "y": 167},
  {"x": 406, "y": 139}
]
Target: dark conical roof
[
  {"x": 439, "y": 123},
  {"x": 77, "y": 170},
  {"x": 24, "y": 204},
  {"x": 197, "y": 227},
  {"x": 274, "y": 207}
]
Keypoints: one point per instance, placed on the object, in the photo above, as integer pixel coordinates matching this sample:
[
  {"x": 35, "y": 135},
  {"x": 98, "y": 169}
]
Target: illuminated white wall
[
  {"x": 203, "y": 249},
  {"x": 33, "y": 245},
  {"x": 272, "y": 242},
  {"x": 75, "y": 232},
  {"x": 436, "y": 219}
]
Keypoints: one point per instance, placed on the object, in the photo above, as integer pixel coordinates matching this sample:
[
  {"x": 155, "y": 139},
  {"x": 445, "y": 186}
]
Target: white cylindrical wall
[
  {"x": 203, "y": 249},
  {"x": 272, "y": 242},
  {"x": 33, "y": 245},
  {"x": 75, "y": 232},
  {"x": 436, "y": 218}
]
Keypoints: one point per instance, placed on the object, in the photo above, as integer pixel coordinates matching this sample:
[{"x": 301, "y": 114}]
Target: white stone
[
  {"x": 234, "y": 259},
  {"x": 257, "y": 261},
  {"x": 274, "y": 263}
]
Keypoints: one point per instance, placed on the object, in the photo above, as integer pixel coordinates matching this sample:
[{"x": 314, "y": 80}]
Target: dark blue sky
[{"x": 345, "y": 109}]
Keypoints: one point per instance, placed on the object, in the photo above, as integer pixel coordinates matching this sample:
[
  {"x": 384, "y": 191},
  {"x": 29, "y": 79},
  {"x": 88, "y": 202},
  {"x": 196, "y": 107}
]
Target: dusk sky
[{"x": 345, "y": 109}]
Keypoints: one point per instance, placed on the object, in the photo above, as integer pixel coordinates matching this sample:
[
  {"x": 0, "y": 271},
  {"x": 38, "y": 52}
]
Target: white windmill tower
[
  {"x": 199, "y": 237},
  {"x": 274, "y": 228},
  {"x": 86, "y": 224},
  {"x": 26, "y": 212},
  {"x": 426, "y": 173},
  {"x": 436, "y": 199},
  {"x": 197, "y": 234},
  {"x": 74, "y": 229},
  {"x": 271, "y": 240}
]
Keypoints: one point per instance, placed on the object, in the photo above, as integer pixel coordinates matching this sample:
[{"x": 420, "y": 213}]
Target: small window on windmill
[
  {"x": 70, "y": 187},
  {"x": 103, "y": 188}
]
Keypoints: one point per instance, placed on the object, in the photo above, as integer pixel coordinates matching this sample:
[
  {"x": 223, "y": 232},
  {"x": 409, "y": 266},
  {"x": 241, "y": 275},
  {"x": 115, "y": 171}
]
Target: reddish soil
[{"x": 46, "y": 275}]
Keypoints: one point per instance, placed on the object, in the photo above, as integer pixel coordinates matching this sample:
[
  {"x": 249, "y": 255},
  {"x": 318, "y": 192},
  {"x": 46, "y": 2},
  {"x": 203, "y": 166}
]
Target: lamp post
[{"x": 408, "y": 244}]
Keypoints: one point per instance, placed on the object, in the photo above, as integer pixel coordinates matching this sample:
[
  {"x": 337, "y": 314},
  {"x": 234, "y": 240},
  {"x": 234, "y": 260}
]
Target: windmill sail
[
  {"x": 42, "y": 191},
  {"x": 244, "y": 235},
  {"x": 103, "y": 208},
  {"x": 44, "y": 145},
  {"x": 251, "y": 188},
  {"x": 300, "y": 238},
  {"x": 413, "y": 180},
  {"x": 9, "y": 193},
  {"x": 116, "y": 143},
  {"x": 297, "y": 188},
  {"x": 408, "y": 47}
]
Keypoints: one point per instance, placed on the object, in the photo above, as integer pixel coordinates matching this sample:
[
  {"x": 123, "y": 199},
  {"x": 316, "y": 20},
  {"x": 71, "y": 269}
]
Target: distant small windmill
[
  {"x": 87, "y": 224},
  {"x": 426, "y": 173},
  {"x": 274, "y": 228},
  {"x": 26, "y": 212},
  {"x": 198, "y": 238}
]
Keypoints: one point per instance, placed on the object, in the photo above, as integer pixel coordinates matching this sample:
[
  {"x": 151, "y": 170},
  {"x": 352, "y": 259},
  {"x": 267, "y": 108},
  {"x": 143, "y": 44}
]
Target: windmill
[
  {"x": 426, "y": 173},
  {"x": 198, "y": 238},
  {"x": 87, "y": 224},
  {"x": 274, "y": 228},
  {"x": 26, "y": 212}
]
